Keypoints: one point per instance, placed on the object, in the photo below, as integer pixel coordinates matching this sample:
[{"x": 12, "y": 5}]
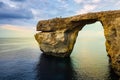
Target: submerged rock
[{"x": 58, "y": 35}]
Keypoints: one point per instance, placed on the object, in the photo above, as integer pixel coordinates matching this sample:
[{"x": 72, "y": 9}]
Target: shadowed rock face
[{"x": 57, "y": 36}]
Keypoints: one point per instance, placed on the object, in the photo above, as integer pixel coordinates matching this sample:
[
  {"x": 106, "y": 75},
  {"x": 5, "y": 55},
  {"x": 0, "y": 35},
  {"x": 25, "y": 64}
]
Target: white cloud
[
  {"x": 87, "y": 8},
  {"x": 96, "y": 1},
  {"x": 118, "y": 3},
  {"x": 93, "y": 1},
  {"x": 34, "y": 11},
  {"x": 78, "y": 1},
  {"x": 62, "y": 1},
  {"x": 37, "y": 13},
  {"x": 10, "y": 3},
  {"x": 64, "y": 4}
]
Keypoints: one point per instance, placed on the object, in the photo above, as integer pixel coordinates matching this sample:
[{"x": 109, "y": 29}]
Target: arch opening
[{"x": 89, "y": 54}]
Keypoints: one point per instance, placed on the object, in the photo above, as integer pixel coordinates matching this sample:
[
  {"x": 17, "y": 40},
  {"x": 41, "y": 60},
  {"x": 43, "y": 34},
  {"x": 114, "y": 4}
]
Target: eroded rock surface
[{"x": 58, "y": 35}]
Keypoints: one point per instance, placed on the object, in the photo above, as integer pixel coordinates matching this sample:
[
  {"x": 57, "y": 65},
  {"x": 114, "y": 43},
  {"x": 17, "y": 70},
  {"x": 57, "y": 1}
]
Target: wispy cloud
[
  {"x": 78, "y": 1},
  {"x": 96, "y": 1},
  {"x": 9, "y": 3},
  {"x": 62, "y": 1},
  {"x": 30, "y": 11},
  {"x": 9, "y": 11},
  {"x": 16, "y": 31},
  {"x": 36, "y": 13},
  {"x": 118, "y": 3},
  {"x": 89, "y": 1},
  {"x": 18, "y": 0},
  {"x": 87, "y": 8},
  {"x": 17, "y": 28}
]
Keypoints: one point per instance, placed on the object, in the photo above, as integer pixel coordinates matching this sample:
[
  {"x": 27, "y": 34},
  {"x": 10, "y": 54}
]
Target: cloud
[
  {"x": 2, "y": 4},
  {"x": 15, "y": 14},
  {"x": 87, "y": 8},
  {"x": 9, "y": 3},
  {"x": 87, "y": 1},
  {"x": 78, "y": 1},
  {"x": 18, "y": 0},
  {"x": 17, "y": 28},
  {"x": 16, "y": 31},
  {"x": 36, "y": 12},
  {"x": 62, "y": 1},
  {"x": 118, "y": 3},
  {"x": 11, "y": 12},
  {"x": 30, "y": 11},
  {"x": 96, "y": 1}
]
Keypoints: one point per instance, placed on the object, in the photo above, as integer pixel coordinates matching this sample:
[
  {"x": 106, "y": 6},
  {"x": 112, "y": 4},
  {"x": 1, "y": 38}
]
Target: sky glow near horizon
[{"x": 18, "y": 18}]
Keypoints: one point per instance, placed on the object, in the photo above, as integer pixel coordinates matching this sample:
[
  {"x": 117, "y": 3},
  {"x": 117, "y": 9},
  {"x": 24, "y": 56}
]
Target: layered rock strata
[{"x": 57, "y": 36}]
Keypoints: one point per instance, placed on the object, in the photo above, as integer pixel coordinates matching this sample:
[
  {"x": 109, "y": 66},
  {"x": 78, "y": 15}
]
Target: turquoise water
[{"x": 21, "y": 59}]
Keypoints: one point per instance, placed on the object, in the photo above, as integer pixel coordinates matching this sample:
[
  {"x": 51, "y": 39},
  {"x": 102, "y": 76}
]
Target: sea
[{"x": 21, "y": 59}]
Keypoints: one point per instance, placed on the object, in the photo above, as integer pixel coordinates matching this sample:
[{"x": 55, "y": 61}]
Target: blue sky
[{"x": 19, "y": 17}]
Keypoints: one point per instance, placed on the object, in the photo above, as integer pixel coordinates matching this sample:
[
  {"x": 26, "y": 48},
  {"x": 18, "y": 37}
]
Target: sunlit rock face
[{"x": 57, "y": 36}]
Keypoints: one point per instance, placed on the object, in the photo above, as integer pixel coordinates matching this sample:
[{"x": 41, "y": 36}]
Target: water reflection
[
  {"x": 112, "y": 75},
  {"x": 86, "y": 62},
  {"x": 52, "y": 68}
]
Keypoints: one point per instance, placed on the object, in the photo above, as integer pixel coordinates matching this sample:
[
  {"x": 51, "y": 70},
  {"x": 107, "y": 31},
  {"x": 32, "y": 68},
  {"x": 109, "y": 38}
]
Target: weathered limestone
[{"x": 58, "y": 35}]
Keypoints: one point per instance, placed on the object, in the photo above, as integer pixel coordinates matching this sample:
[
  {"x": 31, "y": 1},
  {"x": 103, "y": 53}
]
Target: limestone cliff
[{"x": 57, "y": 36}]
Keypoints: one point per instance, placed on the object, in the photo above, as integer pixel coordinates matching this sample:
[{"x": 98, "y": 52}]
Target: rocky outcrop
[{"x": 57, "y": 36}]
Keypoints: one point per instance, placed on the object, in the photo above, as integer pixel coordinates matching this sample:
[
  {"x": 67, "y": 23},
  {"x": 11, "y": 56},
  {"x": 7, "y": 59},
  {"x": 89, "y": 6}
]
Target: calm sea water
[{"x": 21, "y": 59}]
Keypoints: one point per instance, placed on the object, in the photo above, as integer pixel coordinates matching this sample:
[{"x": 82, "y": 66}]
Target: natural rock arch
[
  {"x": 58, "y": 35},
  {"x": 90, "y": 39}
]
